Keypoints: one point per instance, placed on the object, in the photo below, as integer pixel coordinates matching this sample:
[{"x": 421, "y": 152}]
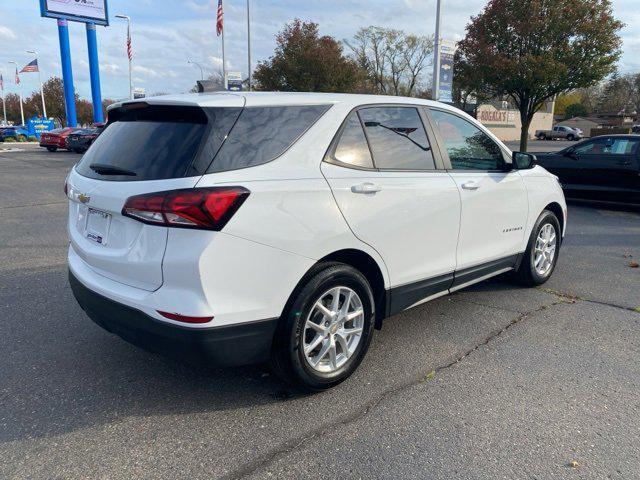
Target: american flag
[
  {"x": 17, "y": 77},
  {"x": 129, "y": 49},
  {"x": 30, "y": 67},
  {"x": 220, "y": 19}
]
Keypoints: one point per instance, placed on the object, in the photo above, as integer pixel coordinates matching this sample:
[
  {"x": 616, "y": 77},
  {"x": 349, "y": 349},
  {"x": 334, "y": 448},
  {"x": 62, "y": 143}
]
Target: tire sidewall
[
  {"x": 341, "y": 275},
  {"x": 545, "y": 218}
]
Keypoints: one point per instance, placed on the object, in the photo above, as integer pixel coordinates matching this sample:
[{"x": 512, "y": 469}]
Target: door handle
[
  {"x": 366, "y": 187},
  {"x": 471, "y": 185}
]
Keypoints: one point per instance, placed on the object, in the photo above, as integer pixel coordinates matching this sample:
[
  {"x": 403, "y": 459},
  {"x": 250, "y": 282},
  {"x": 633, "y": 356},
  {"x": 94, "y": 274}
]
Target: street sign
[
  {"x": 87, "y": 11},
  {"x": 139, "y": 92},
  {"x": 234, "y": 81},
  {"x": 447, "y": 52}
]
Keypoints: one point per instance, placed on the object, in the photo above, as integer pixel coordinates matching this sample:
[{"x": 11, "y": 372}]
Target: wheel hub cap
[
  {"x": 545, "y": 249},
  {"x": 333, "y": 329}
]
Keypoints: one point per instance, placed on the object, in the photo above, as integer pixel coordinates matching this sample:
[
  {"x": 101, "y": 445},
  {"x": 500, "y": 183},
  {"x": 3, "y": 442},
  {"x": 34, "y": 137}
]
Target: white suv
[{"x": 236, "y": 228}]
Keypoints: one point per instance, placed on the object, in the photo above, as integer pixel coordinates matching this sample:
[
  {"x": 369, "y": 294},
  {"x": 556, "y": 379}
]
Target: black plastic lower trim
[
  {"x": 234, "y": 345},
  {"x": 402, "y": 297}
]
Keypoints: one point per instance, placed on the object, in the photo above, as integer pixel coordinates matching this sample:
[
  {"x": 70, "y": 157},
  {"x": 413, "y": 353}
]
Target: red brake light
[{"x": 207, "y": 208}]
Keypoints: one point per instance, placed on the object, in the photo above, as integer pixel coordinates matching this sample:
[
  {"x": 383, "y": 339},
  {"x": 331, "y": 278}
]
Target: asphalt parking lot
[{"x": 492, "y": 382}]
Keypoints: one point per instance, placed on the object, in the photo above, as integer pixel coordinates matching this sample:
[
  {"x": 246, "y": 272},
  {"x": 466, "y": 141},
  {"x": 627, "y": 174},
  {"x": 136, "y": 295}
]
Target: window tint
[
  {"x": 157, "y": 142},
  {"x": 469, "y": 148},
  {"x": 397, "y": 138},
  {"x": 352, "y": 147},
  {"x": 264, "y": 133},
  {"x": 608, "y": 146}
]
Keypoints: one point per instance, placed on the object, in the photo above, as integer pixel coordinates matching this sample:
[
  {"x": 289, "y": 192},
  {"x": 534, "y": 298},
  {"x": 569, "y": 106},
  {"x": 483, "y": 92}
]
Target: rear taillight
[{"x": 207, "y": 208}]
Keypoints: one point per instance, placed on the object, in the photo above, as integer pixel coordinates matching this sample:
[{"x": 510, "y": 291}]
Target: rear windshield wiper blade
[{"x": 104, "y": 169}]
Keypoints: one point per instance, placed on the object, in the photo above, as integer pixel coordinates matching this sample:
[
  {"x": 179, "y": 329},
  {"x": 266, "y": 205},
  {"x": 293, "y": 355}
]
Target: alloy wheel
[
  {"x": 545, "y": 249},
  {"x": 333, "y": 329}
]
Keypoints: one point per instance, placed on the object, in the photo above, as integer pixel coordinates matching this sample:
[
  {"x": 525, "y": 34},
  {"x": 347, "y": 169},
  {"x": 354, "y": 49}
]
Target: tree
[
  {"x": 564, "y": 100},
  {"x": 575, "y": 110},
  {"x": 619, "y": 93},
  {"x": 12, "y": 103},
  {"x": 306, "y": 62},
  {"x": 393, "y": 60},
  {"x": 533, "y": 50}
]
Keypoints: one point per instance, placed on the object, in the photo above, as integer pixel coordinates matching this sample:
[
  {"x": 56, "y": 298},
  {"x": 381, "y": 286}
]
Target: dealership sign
[
  {"x": 87, "y": 11},
  {"x": 447, "y": 52},
  {"x": 496, "y": 117}
]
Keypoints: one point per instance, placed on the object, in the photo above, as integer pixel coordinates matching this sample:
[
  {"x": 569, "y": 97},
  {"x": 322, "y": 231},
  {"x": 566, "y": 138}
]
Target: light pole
[
  {"x": 436, "y": 52},
  {"x": 20, "y": 92},
  {"x": 199, "y": 66},
  {"x": 249, "y": 40},
  {"x": 44, "y": 108},
  {"x": 4, "y": 106},
  {"x": 129, "y": 51}
]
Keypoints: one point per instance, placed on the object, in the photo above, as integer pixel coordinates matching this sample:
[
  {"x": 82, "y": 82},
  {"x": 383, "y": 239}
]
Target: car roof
[{"x": 252, "y": 99}]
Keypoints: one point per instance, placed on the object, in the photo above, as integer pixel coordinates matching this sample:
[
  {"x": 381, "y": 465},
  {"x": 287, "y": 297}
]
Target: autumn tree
[
  {"x": 575, "y": 110},
  {"x": 533, "y": 50},
  {"x": 393, "y": 60},
  {"x": 304, "y": 61},
  {"x": 12, "y": 104}
]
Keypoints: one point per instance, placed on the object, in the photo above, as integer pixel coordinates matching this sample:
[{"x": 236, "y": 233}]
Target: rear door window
[
  {"x": 263, "y": 133},
  {"x": 156, "y": 142},
  {"x": 397, "y": 138},
  {"x": 352, "y": 148}
]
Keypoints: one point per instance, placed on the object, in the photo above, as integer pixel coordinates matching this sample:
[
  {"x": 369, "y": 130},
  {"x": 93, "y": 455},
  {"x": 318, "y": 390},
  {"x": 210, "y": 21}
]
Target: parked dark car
[
  {"x": 80, "y": 140},
  {"x": 55, "y": 139},
  {"x": 603, "y": 169}
]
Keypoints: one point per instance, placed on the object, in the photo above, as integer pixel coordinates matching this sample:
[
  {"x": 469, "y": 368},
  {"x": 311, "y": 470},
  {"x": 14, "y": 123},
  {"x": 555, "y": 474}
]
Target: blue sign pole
[
  {"x": 94, "y": 72},
  {"x": 67, "y": 73}
]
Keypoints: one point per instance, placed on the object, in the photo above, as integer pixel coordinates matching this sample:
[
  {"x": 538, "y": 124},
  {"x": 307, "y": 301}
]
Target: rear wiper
[{"x": 104, "y": 169}]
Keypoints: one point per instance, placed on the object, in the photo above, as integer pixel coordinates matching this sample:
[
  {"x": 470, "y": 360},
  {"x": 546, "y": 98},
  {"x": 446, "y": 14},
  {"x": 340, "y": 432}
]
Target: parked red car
[{"x": 55, "y": 139}]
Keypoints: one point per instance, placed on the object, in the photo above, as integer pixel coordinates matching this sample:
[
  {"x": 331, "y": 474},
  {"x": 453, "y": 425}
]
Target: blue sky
[{"x": 166, "y": 33}]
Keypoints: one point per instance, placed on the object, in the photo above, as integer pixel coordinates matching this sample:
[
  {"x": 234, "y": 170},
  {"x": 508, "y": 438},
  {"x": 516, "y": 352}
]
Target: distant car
[
  {"x": 18, "y": 132},
  {"x": 55, "y": 139},
  {"x": 79, "y": 141},
  {"x": 560, "y": 131},
  {"x": 603, "y": 169}
]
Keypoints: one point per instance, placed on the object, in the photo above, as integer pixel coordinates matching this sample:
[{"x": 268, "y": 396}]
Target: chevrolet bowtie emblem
[{"x": 83, "y": 198}]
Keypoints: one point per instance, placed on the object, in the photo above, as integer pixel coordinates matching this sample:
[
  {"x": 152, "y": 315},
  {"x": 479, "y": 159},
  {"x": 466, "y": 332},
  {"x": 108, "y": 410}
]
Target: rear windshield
[
  {"x": 156, "y": 142},
  {"x": 153, "y": 142}
]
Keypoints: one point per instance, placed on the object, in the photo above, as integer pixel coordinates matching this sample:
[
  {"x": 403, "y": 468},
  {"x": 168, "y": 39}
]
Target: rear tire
[
  {"x": 541, "y": 255},
  {"x": 321, "y": 337},
  {"x": 542, "y": 136}
]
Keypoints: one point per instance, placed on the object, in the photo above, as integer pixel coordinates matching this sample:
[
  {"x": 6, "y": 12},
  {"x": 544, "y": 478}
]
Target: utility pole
[
  {"x": 435, "y": 93},
  {"x": 44, "y": 108}
]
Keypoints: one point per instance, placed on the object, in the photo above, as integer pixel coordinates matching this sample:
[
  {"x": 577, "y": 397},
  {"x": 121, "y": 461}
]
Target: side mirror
[{"x": 523, "y": 161}]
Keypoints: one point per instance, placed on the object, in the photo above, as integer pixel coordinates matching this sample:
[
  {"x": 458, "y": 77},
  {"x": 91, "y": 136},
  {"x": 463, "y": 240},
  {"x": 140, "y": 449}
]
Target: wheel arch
[
  {"x": 556, "y": 208},
  {"x": 361, "y": 261}
]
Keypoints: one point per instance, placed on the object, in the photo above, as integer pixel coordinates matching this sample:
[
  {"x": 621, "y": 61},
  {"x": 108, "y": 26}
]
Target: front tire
[
  {"x": 326, "y": 328},
  {"x": 52, "y": 149},
  {"x": 541, "y": 255}
]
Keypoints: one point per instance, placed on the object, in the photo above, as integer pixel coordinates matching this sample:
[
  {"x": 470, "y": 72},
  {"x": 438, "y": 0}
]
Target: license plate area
[{"x": 97, "y": 227}]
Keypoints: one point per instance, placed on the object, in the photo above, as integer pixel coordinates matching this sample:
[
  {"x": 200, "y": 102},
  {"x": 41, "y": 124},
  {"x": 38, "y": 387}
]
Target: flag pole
[
  {"x": 44, "y": 108},
  {"x": 224, "y": 62},
  {"x": 19, "y": 90},
  {"x": 4, "y": 106},
  {"x": 249, "y": 40}
]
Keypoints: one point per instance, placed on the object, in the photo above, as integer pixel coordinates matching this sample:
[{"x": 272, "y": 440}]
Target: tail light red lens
[{"x": 207, "y": 208}]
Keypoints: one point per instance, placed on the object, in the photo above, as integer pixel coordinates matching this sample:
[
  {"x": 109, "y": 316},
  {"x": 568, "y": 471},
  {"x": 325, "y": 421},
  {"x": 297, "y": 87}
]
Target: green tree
[
  {"x": 575, "y": 110},
  {"x": 306, "y": 62},
  {"x": 533, "y": 50},
  {"x": 393, "y": 60}
]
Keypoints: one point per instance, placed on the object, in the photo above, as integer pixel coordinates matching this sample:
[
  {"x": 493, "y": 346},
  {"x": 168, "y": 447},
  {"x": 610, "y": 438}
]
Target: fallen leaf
[
  {"x": 430, "y": 375},
  {"x": 634, "y": 264},
  {"x": 574, "y": 464}
]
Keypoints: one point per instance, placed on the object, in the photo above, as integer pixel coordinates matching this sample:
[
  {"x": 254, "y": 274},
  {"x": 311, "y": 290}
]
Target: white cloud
[{"x": 7, "y": 34}]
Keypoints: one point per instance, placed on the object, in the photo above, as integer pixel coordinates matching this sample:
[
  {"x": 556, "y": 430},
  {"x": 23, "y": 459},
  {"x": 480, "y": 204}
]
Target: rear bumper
[{"x": 230, "y": 345}]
